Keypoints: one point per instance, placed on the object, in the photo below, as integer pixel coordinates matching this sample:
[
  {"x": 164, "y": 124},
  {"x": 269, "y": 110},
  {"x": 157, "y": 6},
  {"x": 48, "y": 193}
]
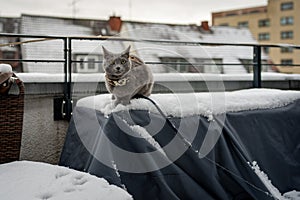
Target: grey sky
[{"x": 168, "y": 11}]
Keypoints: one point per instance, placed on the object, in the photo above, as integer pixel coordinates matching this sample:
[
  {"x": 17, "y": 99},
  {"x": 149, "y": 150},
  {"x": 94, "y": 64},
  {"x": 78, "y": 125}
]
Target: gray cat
[{"x": 126, "y": 75}]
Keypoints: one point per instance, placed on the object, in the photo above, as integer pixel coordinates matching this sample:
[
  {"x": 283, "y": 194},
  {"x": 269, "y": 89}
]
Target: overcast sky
[{"x": 166, "y": 11}]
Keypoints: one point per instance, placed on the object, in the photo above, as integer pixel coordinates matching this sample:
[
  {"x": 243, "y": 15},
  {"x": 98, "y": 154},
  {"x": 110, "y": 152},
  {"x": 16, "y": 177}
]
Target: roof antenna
[
  {"x": 74, "y": 9},
  {"x": 130, "y": 9}
]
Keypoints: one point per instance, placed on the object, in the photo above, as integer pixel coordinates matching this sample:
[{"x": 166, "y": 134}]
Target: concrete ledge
[{"x": 90, "y": 84}]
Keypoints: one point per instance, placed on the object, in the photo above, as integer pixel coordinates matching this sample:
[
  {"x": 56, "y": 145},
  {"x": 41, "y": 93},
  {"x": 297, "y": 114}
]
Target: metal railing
[{"x": 68, "y": 60}]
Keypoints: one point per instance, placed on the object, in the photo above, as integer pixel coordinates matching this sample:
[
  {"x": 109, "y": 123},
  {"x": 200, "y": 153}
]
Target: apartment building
[{"x": 277, "y": 22}]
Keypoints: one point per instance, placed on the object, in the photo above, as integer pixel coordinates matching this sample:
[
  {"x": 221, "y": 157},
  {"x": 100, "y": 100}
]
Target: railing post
[
  {"x": 257, "y": 66},
  {"x": 65, "y": 67},
  {"x": 68, "y": 97},
  {"x": 63, "y": 105}
]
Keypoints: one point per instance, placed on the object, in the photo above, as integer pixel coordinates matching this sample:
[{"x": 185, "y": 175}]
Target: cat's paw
[{"x": 124, "y": 102}]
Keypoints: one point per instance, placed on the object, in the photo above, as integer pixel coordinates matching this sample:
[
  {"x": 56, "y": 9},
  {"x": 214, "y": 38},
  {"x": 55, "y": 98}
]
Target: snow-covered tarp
[
  {"x": 231, "y": 145},
  {"x": 205, "y": 103},
  {"x": 22, "y": 180}
]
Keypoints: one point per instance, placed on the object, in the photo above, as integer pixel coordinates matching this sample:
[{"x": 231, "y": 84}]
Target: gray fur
[{"x": 126, "y": 76}]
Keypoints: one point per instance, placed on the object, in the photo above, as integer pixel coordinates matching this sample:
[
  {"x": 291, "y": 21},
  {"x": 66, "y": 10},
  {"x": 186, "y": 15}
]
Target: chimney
[
  {"x": 115, "y": 23},
  {"x": 205, "y": 26}
]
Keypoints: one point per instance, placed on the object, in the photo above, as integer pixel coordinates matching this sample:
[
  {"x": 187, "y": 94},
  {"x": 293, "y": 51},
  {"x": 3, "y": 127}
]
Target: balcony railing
[{"x": 68, "y": 60}]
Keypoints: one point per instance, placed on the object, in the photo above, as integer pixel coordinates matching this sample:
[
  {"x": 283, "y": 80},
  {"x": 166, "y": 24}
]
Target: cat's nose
[{"x": 118, "y": 68}]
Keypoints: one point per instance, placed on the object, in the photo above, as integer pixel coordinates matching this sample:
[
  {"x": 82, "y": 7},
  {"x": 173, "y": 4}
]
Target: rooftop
[
  {"x": 242, "y": 11},
  {"x": 31, "y": 24}
]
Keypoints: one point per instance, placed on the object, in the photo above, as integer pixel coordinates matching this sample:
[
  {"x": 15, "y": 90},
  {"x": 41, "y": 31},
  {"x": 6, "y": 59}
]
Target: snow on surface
[
  {"x": 34, "y": 180},
  {"x": 264, "y": 178},
  {"x": 205, "y": 104},
  {"x": 291, "y": 195},
  {"x": 5, "y": 68},
  {"x": 191, "y": 33},
  {"x": 142, "y": 132}
]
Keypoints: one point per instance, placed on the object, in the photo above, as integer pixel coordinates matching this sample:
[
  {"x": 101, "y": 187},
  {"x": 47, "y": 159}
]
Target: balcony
[{"x": 50, "y": 98}]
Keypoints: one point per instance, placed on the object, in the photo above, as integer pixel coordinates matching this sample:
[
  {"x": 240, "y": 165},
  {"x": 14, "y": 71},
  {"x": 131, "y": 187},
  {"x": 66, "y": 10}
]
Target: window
[
  {"x": 88, "y": 64},
  {"x": 243, "y": 24},
  {"x": 286, "y": 50},
  {"x": 287, "y": 61},
  {"x": 287, "y": 35},
  {"x": 200, "y": 65},
  {"x": 264, "y": 36},
  {"x": 224, "y": 24},
  {"x": 1, "y": 27},
  {"x": 266, "y": 50},
  {"x": 8, "y": 54},
  {"x": 287, "y": 6},
  {"x": 264, "y": 23},
  {"x": 91, "y": 63},
  {"x": 248, "y": 64},
  {"x": 206, "y": 65},
  {"x": 287, "y": 21},
  {"x": 81, "y": 64},
  {"x": 178, "y": 64}
]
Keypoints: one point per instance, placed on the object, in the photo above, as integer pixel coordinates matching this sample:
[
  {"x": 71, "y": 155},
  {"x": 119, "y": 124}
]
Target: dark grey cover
[{"x": 271, "y": 137}]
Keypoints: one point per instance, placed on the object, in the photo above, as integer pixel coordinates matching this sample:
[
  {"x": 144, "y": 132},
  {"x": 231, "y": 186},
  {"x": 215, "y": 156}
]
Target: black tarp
[{"x": 271, "y": 137}]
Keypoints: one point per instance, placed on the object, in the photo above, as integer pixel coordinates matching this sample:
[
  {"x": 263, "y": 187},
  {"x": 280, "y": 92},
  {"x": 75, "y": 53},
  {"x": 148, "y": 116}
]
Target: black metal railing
[{"x": 68, "y": 60}]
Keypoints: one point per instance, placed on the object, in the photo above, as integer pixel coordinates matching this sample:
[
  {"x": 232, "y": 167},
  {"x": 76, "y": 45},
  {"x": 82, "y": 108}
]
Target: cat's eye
[{"x": 123, "y": 62}]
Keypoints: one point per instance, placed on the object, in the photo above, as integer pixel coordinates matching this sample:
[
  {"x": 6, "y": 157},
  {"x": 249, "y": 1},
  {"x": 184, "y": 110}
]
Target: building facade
[{"x": 278, "y": 22}]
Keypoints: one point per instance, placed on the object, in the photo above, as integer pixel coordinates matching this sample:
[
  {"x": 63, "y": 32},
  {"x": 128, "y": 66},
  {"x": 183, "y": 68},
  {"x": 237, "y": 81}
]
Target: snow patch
[
  {"x": 264, "y": 178},
  {"x": 205, "y": 104},
  {"x": 34, "y": 180},
  {"x": 142, "y": 132},
  {"x": 292, "y": 195},
  {"x": 5, "y": 68}
]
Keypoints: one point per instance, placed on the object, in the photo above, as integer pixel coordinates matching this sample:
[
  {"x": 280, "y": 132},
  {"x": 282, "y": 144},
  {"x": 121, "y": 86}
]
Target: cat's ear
[
  {"x": 126, "y": 52},
  {"x": 106, "y": 53}
]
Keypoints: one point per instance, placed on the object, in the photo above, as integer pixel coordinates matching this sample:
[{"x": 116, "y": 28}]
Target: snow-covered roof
[
  {"x": 53, "y": 49},
  {"x": 192, "y": 33}
]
